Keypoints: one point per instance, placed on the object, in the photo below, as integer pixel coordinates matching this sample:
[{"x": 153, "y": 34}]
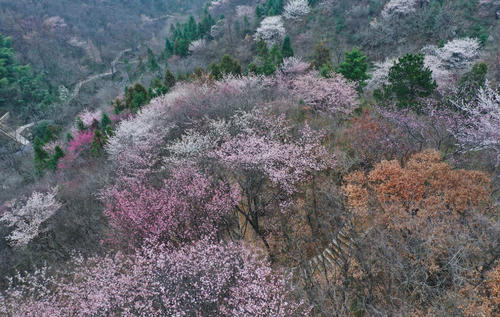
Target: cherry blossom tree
[
  {"x": 293, "y": 66},
  {"x": 196, "y": 143},
  {"x": 262, "y": 152},
  {"x": 271, "y": 30},
  {"x": 268, "y": 163},
  {"x": 455, "y": 57},
  {"x": 77, "y": 146},
  {"x": 480, "y": 129},
  {"x": 380, "y": 74},
  {"x": 205, "y": 279},
  {"x": 89, "y": 117},
  {"x": 187, "y": 207},
  {"x": 245, "y": 11},
  {"x": 26, "y": 218},
  {"x": 332, "y": 95},
  {"x": 119, "y": 284},
  {"x": 398, "y": 8},
  {"x": 295, "y": 9},
  {"x": 459, "y": 53},
  {"x": 229, "y": 280},
  {"x": 134, "y": 148}
]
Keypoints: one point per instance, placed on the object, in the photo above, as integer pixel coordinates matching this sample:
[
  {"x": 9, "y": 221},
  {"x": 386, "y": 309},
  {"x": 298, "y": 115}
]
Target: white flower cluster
[
  {"x": 380, "y": 74},
  {"x": 198, "y": 45},
  {"x": 26, "y": 218},
  {"x": 295, "y": 9},
  {"x": 453, "y": 58},
  {"x": 398, "y": 7},
  {"x": 194, "y": 144},
  {"x": 242, "y": 11},
  {"x": 294, "y": 66},
  {"x": 271, "y": 30},
  {"x": 456, "y": 54},
  {"x": 482, "y": 130}
]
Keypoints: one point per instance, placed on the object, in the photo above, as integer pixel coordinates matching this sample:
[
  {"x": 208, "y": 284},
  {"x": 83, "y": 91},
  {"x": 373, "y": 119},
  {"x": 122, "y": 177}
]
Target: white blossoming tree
[
  {"x": 26, "y": 218},
  {"x": 294, "y": 66},
  {"x": 197, "y": 46},
  {"x": 481, "y": 127},
  {"x": 455, "y": 54},
  {"x": 295, "y": 9},
  {"x": 245, "y": 10},
  {"x": 398, "y": 8},
  {"x": 271, "y": 30},
  {"x": 455, "y": 57},
  {"x": 380, "y": 74}
]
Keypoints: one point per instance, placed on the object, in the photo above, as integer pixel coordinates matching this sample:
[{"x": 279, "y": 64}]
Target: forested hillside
[
  {"x": 67, "y": 39},
  {"x": 250, "y": 158}
]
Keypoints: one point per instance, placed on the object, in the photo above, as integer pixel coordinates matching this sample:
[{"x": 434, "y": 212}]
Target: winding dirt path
[{"x": 110, "y": 72}]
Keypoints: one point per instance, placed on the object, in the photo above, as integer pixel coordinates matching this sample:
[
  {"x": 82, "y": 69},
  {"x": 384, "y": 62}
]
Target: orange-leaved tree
[{"x": 424, "y": 232}]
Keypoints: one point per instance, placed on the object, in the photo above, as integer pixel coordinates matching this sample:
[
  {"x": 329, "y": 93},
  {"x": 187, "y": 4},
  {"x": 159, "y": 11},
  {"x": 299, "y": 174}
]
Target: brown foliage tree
[{"x": 422, "y": 234}]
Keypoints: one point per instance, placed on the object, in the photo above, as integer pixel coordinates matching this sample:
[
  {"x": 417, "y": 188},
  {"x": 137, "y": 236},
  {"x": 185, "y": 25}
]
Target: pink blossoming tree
[
  {"x": 330, "y": 95},
  {"x": 77, "y": 146},
  {"x": 187, "y": 207},
  {"x": 269, "y": 163},
  {"x": 204, "y": 279},
  {"x": 89, "y": 117}
]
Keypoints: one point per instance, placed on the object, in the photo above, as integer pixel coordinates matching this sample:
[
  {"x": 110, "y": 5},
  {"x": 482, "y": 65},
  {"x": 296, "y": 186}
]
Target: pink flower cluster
[
  {"x": 204, "y": 279},
  {"x": 266, "y": 146},
  {"x": 89, "y": 117},
  {"x": 333, "y": 95},
  {"x": 187, "y": 207},
  {"x": 80, "y": 143}
]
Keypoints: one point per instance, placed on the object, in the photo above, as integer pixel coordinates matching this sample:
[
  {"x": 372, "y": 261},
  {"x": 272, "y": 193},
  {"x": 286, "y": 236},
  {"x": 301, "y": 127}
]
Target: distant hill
[{"x": 69, "y": 39}]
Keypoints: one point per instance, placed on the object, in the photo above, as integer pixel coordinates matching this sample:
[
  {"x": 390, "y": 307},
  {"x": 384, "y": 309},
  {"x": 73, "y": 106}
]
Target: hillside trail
[
  {"x": 14, "y": 135},
  {"x": 336, "y": 254},
  {"x": 109, "y": 72}
]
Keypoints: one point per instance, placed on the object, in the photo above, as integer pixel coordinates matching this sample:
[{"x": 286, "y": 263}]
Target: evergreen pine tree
[
  {"x": 215, "y": 71},
  {"x": 410, "y": 79},
  {"x": 275, "y": 55},
  {"x": 268, "y": 68},
  {"x": 253, "y": 69},
  {"x": 354, "y": 67},
  {"x": 141, "y": 68},
  {"x": 169, "y": 47},
  {"x": 169, "y": 80},
  {"x": 79, "y": 124},
  {"x": 472, "y": 81},
  {"x": 246, "y": 26},
  {"x": 286, "y": 49},
  {"x": 191, "y": 29},
  {"x": 40, "y": 156},
  {"x": 97, "y": 143},
  {"x": 152, "y": 63},
  {"x": 229, "y": 65},
  {"x": 105, "y": 121},
  {"x": 140, "y": 96},
  {"x": 54, "y": 159},
  {"x": 262, "y": 50}
]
